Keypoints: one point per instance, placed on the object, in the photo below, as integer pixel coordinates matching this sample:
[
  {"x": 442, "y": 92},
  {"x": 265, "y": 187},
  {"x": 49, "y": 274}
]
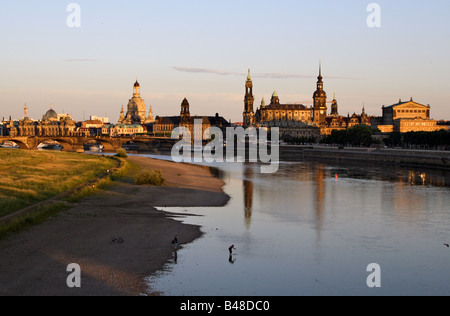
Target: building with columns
[{"x": 404, "y": 117}]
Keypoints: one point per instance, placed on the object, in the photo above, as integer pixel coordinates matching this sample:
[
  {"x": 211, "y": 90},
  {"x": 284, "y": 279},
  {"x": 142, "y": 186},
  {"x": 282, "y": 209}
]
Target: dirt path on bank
[{"x": 34, "y": 262}]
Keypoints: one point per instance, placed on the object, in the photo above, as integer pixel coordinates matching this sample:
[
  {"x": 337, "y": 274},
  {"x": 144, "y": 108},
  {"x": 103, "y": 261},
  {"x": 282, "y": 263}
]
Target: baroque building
[
  {"x": 294, "y": 119},
  {"x": 52, "y": 124},
  {"x": 166, "y": 124},
  {"x": 136, "y": 111},
  {"x": 334, "y": 121},
  {"x": 279, "y": 114}
]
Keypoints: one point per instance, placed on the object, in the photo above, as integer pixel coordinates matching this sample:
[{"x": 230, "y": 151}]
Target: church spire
[{"x": 320, "y": 70}]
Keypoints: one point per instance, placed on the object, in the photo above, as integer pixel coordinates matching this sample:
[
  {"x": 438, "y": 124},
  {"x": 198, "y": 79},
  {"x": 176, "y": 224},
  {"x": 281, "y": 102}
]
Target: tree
[{"x": 359, "y": 135}]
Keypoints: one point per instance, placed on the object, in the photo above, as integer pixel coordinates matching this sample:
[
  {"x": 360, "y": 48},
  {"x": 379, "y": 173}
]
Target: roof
[
  {"x": 293, "y": 107},
  {"x": 123, "y": 126},
  {"x": 401, "y": 103},
  {"x": 176, "y": 120},
  {"x": 50, "y": 114}
]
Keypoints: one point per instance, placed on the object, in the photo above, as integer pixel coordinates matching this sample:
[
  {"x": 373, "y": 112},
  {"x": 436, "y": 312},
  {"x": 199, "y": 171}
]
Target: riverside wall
[{"x": 422, "y": 158}]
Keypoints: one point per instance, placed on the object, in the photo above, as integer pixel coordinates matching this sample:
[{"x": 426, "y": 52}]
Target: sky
[{"x": 201, "y": 50}]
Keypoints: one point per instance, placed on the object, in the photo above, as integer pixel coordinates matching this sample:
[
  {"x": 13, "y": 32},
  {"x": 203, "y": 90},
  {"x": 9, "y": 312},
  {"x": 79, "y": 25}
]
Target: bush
[
  {"x": 146, "y": 177},
  {"x": 122, "y": 153}
]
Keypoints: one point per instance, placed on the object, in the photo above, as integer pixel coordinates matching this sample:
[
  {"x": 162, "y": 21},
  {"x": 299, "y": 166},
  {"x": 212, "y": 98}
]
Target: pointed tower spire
[
  {"x": 249, "y": 77},
  {"x": 320, "y": 70},
  {"x": 122, "y": 116}
]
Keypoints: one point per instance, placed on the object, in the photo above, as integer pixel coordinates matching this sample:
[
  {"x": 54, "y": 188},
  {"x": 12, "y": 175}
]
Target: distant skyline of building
[{"x": 201, "y": 50}]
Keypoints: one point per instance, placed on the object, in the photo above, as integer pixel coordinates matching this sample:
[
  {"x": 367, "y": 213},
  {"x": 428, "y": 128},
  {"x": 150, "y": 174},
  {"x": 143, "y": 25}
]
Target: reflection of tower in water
[
  {"x": 248, "y": 195},
  {"x": 319, "y": 195}
]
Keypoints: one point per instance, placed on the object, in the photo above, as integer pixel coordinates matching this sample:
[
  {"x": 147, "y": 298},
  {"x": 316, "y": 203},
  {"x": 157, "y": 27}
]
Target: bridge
[{"x": 76, "y": 143}]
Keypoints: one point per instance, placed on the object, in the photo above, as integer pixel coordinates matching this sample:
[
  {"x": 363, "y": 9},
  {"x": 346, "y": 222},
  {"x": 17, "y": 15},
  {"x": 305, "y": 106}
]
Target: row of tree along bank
[{"x": 365, "y": 136}]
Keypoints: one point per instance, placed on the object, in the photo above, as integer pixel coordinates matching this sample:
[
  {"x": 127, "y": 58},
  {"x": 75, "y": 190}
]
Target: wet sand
[{"x": 34, "y": 261}]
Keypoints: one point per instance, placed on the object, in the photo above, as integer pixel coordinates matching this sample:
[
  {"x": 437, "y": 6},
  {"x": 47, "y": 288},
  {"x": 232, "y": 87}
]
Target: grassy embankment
[{"x": 30, "y": 177}]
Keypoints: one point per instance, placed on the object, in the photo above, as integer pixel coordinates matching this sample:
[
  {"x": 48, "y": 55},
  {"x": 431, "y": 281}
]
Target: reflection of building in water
[
  {"x": 319, "y": 194},
  {"x": 437, "y": 178},
  {"x": 248, "y": 195},
  {"x": 417, "y": 178}
]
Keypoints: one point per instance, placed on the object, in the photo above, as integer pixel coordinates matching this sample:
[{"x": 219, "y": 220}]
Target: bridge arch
[
  {"x": 107, "y": 145},
  {"x": 66, "y": 144},
  {"x": 20, "y": 143}
]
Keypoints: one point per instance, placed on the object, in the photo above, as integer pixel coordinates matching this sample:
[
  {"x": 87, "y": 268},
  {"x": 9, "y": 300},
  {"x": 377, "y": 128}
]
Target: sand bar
[{"x": 34, "y": 261}]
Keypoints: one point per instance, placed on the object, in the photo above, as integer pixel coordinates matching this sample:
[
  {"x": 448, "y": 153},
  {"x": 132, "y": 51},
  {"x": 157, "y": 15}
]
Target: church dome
[
  {"x": 51, "y": 114},
  {"x": 137, "y": 84}
]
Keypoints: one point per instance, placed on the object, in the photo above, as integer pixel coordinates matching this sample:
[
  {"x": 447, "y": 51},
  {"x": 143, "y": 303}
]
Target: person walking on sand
[
  {"x": 231, "y": 249},
  {"x": 175, "y": 242}
]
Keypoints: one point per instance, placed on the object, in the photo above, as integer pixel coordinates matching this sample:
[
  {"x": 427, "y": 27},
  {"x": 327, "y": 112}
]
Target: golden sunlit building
[
  {"x": 406, "y": 117},
  {"x": 136, "y": 111}
]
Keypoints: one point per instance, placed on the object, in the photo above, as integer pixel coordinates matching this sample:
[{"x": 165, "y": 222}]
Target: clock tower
[{"x": 320, "y": 101}]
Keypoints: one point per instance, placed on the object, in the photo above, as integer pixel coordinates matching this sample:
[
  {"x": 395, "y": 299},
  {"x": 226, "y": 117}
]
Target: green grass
[{"x": 29, "y": 177}]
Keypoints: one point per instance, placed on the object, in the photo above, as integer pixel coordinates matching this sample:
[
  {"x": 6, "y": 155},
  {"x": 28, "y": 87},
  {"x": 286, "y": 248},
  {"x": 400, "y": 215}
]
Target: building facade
[
  {"x": 164, "y": 126},
  {"x": 122, "y": 130},
  {"x": 336, "y": 122},
  {"x": 294, "y": 119},
  {"x": 406, "y": 117},
  {"x": 277, "y": 112},
  {"x": 52, "y": 124}
]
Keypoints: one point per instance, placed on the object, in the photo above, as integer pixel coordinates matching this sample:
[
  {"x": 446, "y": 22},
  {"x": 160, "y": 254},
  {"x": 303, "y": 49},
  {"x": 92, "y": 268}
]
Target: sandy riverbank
[{"x": 34, "y": 261}]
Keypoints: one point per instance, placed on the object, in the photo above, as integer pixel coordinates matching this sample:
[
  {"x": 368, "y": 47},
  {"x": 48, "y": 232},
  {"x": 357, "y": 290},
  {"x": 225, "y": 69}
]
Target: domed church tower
[{"x": 136, "y": 113}]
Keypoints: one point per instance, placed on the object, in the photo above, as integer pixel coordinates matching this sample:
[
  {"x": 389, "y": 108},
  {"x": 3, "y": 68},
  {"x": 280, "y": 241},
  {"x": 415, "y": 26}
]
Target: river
[{"x": 313, "y": 229}]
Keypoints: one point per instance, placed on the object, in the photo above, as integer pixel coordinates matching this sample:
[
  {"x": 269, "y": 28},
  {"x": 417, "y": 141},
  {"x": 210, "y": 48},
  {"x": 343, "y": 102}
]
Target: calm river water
[{"x": 301, "y": 231}]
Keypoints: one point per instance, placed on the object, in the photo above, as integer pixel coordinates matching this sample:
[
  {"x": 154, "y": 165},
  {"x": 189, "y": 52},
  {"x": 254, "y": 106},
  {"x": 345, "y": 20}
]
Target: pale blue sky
[{"x": 166, "y": 44}]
